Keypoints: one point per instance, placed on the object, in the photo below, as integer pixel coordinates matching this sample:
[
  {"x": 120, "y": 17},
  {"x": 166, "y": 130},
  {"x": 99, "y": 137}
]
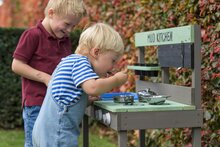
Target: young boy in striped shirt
[{"x": 76, "y": 77}]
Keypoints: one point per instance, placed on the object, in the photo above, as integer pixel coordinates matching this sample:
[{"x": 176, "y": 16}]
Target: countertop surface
[{"x": 142, "y": 107}]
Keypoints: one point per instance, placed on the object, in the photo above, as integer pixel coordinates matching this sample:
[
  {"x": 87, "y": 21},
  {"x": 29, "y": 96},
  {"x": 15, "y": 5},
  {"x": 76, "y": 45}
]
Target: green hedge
[{"x": 10, "y": 83}]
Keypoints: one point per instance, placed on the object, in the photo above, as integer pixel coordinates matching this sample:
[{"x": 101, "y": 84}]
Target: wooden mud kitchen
[{"x": 178, "y": 47}]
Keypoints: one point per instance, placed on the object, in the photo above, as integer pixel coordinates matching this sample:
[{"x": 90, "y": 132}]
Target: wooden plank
[
  {"x": 85, "y": 128},
  {"x": 179, "y": 94},
  {"x": 196, "y": 74},
  {"x": 144, "y": 68},
  {"x": 142, "y": 138},
  {"x": 162, "y": 119},
  {"x": 184, "y": 34},
  {"x": 122, "y": 138},
  {"x": 196, "y": 137},
  {"x": 153, "y": 119},
  {"x": 176, "y": 55},
  {"x": 142, "y": 107}
]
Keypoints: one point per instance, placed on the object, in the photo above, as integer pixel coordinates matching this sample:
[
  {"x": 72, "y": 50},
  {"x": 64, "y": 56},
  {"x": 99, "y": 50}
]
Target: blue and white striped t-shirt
[{"x": 72, "y": 71}]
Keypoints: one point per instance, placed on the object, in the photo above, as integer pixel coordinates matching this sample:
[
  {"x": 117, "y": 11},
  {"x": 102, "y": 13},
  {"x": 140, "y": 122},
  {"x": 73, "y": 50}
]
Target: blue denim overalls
[{"x": 58, "y": 126}]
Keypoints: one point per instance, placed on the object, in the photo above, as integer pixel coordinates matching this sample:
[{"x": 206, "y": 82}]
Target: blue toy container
[{"x": 109, "y": 96}]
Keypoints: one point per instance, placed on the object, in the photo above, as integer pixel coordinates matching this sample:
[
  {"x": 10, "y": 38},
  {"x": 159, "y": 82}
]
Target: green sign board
[{"x": 175, "y": 35}]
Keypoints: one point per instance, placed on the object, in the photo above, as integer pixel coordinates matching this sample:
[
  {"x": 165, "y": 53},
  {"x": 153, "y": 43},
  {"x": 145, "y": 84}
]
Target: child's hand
[
  {"x": 47, "y": 79},
  {"x": 122, "y": 77},
  {"x": 92, "y": 99}
]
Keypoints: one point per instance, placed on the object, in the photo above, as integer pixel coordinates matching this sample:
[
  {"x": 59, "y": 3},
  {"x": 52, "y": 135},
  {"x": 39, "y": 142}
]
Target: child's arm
[
  {"x": 92, "y": 99},
  {"x": 24, "y": 70},
  {"x": 96, "y": 87}
]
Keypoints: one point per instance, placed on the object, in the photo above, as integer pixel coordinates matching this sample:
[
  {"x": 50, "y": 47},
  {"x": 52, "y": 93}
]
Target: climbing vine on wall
[{"x": 131, "y": 16}]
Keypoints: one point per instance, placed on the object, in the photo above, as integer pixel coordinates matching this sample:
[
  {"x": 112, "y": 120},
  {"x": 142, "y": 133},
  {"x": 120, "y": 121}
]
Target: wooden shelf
[{"x": 145, "y": 68}]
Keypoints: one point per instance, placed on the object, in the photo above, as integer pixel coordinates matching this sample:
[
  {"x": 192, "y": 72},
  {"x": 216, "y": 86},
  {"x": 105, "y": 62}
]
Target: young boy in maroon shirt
[{"x": 38, "y": 52}]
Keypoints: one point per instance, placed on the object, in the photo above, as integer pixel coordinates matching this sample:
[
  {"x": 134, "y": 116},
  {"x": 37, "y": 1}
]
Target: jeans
[{"x": 29, "y": 116}]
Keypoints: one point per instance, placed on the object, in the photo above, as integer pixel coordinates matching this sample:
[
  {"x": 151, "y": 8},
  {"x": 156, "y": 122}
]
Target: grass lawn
[{"x": 15, "y": 138}]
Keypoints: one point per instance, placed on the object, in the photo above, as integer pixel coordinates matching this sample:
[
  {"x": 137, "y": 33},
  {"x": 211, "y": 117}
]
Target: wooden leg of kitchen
[
  {"x": 142, "y": 138},
  {"x": 196, "y": 137},
  {"x": 122, "y": 138},
  {"x": 85, "y": 128}
]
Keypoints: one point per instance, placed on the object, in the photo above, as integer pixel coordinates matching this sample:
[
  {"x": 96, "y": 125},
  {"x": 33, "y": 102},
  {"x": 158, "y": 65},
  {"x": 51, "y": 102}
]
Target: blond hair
[
  {"x": 66, "y": 7},
  {"x": 101, "y": 36}
]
